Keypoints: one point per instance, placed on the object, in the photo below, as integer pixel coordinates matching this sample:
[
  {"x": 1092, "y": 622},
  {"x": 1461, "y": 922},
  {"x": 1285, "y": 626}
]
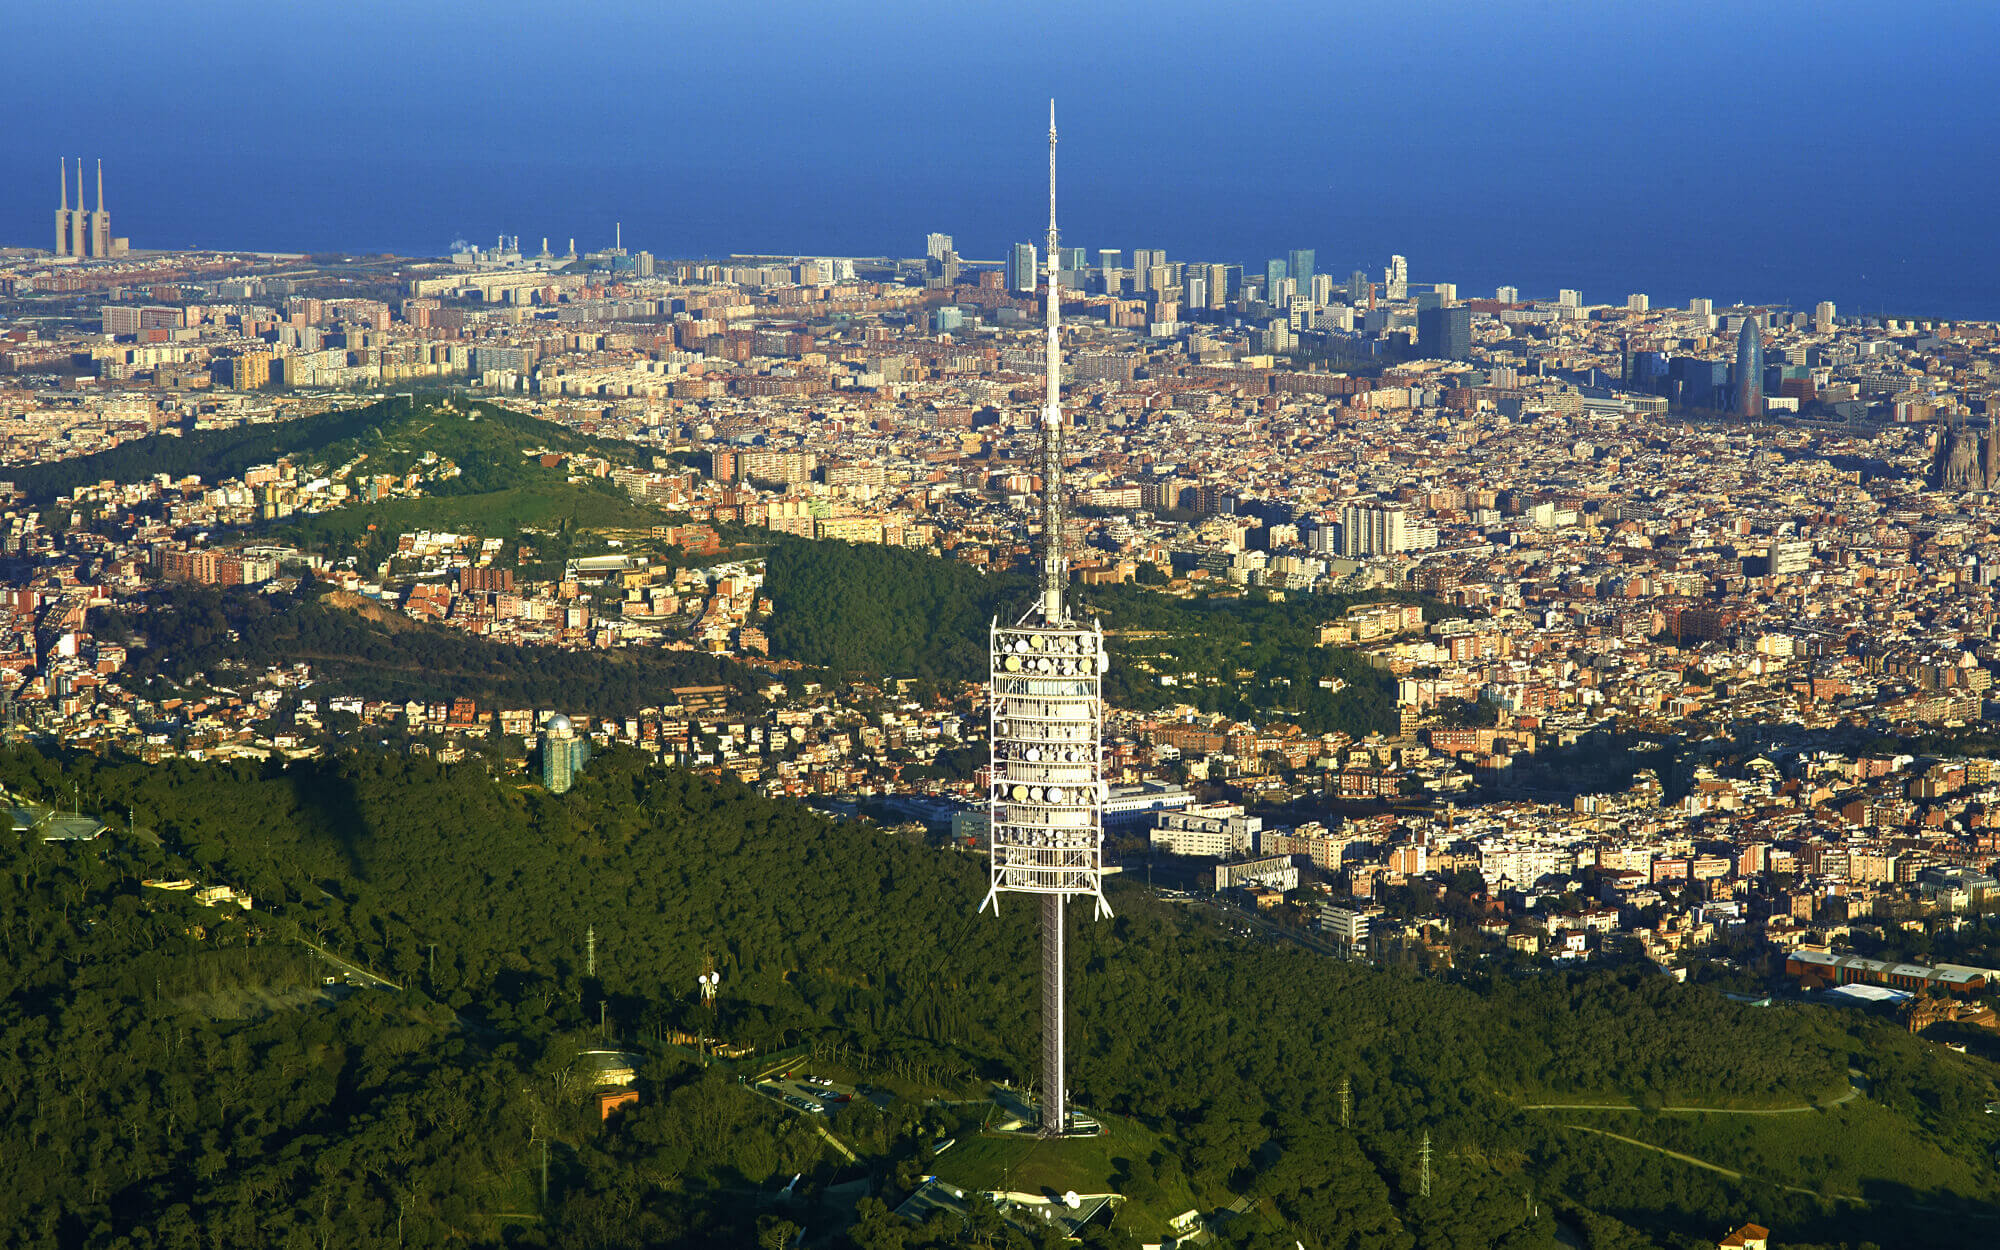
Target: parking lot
[{"x": 812, "y": 1095}]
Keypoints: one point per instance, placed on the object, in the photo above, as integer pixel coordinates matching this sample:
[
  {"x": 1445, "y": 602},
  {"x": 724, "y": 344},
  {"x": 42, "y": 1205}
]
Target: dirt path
[
  {"x": 1801, "y": 1109},
  {"x": 1717, "y": 1168}
]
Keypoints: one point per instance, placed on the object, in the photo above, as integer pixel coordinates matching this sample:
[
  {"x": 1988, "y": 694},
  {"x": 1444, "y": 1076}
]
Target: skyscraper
[
  {"x": 1445, "y": 333},
  {"x": 1021, "y": 268},
  {"x": 1377, "y": 530},
  {"x": 1823, "y": 317},
  {"x": 1396, "y": 278},
  {"x": 940, "y": 260},
  {"x": 1218, "y": 285},
  {"x": 1109, "y": 275},
  {"x": 1357, "y": 286},
  {"x": 1749, "y": 370},
  {"x": 1275, "y": 273},
  {"x": 1301, "y": 264},
  {"x": 1047, "y": 713}
]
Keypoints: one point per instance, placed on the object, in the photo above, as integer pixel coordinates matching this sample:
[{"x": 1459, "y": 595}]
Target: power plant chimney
[
  {"x": 96, "y": 225},
  {"x": 62, "y": 209}
]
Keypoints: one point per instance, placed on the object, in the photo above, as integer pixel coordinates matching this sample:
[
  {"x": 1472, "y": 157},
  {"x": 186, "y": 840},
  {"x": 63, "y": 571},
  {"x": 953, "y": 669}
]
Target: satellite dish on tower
[{"x": 1071, "y": 1200}]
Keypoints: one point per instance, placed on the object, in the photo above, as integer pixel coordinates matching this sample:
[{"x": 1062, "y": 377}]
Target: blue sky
[{"x": 1776, "y": 150}]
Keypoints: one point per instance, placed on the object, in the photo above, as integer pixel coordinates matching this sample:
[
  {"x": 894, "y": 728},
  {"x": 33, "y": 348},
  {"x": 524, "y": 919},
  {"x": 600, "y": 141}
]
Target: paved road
[
  {"x": 1306, "y": 939},
  {"x": 353, "y": 971}
]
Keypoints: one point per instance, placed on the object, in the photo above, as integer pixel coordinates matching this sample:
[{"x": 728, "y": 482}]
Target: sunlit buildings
[{"x": 1370, "y": 530}]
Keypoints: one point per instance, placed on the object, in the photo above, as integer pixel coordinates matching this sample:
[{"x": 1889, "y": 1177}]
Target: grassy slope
[
  {"x": 1858, "y": 1149},
  {"x": 327, "y": 437},
  {"x": 497, "y": 514},
  {"x": 1026, "y": 1164}
]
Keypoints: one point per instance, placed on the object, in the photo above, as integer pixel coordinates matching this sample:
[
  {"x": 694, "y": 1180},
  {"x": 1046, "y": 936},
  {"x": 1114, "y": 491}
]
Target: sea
[{"x": 1873, "y": 251}]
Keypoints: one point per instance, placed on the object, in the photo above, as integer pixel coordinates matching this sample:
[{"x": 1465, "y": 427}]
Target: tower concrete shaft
[
  {"x": 1055, "y": 1091},
  {"x": 1055, "y": 1087}
]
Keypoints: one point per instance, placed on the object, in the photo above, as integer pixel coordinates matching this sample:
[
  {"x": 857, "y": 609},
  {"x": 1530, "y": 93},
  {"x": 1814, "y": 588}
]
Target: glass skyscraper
[
  {"x": 1302, "y": 269},
  {"x": 1275, "y": 273},
  {"x": 1749, "y": 370},
  {"x": 1021, "y": 268}
]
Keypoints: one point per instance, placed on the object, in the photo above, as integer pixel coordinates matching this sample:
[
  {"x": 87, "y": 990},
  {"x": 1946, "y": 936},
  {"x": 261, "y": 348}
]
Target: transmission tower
[
  {"x": 1424, "y": 1158},
  {"x": 1346, "y": 1101},
  {"x": 1047, "y": 725},
  {"x": 590, "y": 950}
]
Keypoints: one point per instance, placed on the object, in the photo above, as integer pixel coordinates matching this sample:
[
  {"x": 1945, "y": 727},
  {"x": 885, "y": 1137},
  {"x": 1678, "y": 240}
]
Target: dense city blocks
[{"x": 1415, "y": 671}]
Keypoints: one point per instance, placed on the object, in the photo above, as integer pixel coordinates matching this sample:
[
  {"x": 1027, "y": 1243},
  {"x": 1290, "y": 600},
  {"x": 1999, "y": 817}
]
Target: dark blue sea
[{"x": 1943, "y": 265}]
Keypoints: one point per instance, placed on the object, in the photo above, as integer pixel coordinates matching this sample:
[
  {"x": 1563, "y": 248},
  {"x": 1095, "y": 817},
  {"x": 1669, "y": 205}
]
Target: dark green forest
[
  {"x": 145, "y": 1111},
  {"x": 199, "y": 633},
  {"x": 858, "y": 608},
  {"x": 851, "y": 610}
]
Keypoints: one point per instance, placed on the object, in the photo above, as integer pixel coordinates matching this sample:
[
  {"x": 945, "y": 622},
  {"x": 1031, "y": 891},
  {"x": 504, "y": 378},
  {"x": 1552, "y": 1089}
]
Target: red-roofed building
[{"x": 1748, "y": 1237}]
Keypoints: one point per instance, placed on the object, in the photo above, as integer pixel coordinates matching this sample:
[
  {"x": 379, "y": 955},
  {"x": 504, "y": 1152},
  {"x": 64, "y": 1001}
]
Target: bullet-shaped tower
[{"x": 1749, "y": 370}]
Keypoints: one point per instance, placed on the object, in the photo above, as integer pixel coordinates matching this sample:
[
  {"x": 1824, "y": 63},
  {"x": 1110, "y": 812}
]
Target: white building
[
  {"x": 1275, "y": 871},
  {"x": 1348, "y": 927},
  {"x": 1214, "y": 830},
  {"x": 1374, "y": 530}
]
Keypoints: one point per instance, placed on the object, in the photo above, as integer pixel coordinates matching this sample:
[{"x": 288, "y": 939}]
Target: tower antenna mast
[{"x": 1053, "y": 562}]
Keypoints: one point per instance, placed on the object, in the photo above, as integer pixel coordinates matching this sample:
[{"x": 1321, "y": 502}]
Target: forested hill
[
  {"x": 395, "y": 429},
  {"x": 406, "y": 1117},
  {"x": 862, "y": 608},
  {"x": 198, "y": 633}
]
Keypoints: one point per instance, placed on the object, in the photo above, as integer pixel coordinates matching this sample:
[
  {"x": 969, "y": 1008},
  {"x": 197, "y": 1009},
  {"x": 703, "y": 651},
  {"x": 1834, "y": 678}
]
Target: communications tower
[{"x": 1046, "y": 708}]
